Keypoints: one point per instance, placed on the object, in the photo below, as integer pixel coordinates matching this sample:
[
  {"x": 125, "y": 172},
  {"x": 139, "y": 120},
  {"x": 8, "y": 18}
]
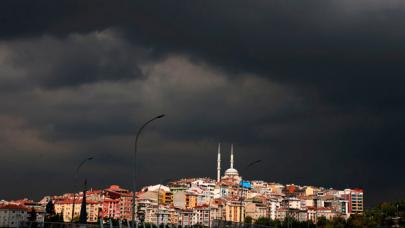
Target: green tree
[
  {"x": 264, "y": 221},
  {"x": 248, "y": 220},
  {"x": 58, "y": 218},
  {"x": 76, "y": 219},
  {"x": 308, "y": 224},
  {"x": 356, "y": 221},
  {"x": 322, "y": 221},
  {"x": 32, "y": 215},
  {"x": 50, "y": 212},
  {"x": 385, "y": 213},
  {"x": 338, "y": 222},
  {"x": 275, "y": 223},
  {"x": 198, "y": 226},
  {"x": 50, "y": 208}
]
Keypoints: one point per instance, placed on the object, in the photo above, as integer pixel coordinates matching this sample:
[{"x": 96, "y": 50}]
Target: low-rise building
[
  {"x": 11, "y": 215},
  {"x": 201, "y": 215},
  {"x": 255, "y": 210},
  {"x": 234, "y": 211},
  {"x": 65, "y": 208}
]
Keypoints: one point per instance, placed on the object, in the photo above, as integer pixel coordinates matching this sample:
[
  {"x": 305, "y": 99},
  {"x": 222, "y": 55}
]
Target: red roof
[
  {"x": 13, "y": 207},
  {"x": 116, "y": 188},
  {"x": 23, "y": 201},
  {"x": 93, "y": 192}
]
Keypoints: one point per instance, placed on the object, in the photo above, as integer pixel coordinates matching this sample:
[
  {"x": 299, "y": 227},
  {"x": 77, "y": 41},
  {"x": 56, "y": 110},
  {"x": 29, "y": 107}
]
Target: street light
[
  {"x": 76, "y": 176},
  {"x": 253, "y": 163},
  {"x": 134, "y": 164}
]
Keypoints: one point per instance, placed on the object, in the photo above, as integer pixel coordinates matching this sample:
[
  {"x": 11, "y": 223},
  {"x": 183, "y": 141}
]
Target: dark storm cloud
[
  {"x": 71, "y": 61},
  {"x": 313, "y": 81},
  {"x": 101, "y": 119},
  {"x": 302, "y": 43}
]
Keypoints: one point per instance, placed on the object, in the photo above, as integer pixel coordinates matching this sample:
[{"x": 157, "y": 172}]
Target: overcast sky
[{"x": 313, "y": 88}]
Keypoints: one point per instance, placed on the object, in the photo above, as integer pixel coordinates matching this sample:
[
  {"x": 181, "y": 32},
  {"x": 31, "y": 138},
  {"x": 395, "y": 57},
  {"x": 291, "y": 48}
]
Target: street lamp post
[
  {"x": 76, "y": 176},
  {"x": 134, "y": 165},
  {"x": 241, "y": 187}
]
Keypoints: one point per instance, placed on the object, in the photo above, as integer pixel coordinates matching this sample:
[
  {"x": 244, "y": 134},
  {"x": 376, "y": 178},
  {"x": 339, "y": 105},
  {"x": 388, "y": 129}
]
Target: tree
[
  {"x": 51, "y": 215},
  {"x": 198, "y": 226},
  {"x": 289, "y": 221},
  {"x": 263, "y": 221},
  {"x": 338, "y": 222},
  {"x": 275, "y": 223},
  {"x": 32, "y": 215},
  {"x": 50, "y": 208},
  {"x": 322, "y": 221},
  {"x": 357, "y": 221},
  {"x": 308, "y": 224},
  {"x": 76, "y": 219},
  {"x": 248, "y": 220},
  {"x": 50, "y": 211},
  {"x": 58, "y": 218}
]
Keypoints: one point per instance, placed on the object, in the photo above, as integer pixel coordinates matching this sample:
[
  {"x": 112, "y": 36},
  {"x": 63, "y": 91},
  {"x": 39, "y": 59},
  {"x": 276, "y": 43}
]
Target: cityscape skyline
[
  {"x": 229, "y": 172},
  {"x": 313, "y": 89},
  {"x": 191, "y": 201}
]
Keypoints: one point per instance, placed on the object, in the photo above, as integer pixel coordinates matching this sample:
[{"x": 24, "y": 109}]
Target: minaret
[
  {"x": 231, "y": 156},
  {"x": 219, "y": 163}
]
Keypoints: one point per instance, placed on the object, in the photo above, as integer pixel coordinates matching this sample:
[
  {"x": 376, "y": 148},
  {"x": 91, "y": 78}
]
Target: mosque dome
[{"x": 231, "y": 172}]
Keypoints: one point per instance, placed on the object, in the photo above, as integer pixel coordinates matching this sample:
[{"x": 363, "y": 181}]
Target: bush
[{"x": 248, "y": 219}]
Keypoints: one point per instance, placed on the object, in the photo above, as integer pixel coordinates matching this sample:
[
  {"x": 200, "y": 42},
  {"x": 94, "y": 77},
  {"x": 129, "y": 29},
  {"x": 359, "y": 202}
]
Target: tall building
[{"x": 355, "y": 198}]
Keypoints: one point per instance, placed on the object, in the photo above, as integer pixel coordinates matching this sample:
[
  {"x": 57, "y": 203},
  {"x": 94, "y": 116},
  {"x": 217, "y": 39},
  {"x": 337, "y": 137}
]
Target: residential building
[{"x": 11, "y": 215}]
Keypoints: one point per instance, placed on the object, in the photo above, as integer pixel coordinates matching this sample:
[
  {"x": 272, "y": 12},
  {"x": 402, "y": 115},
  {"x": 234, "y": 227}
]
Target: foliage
[
  {"x": 59, "y": 217},
  {"x": 264, "y": 221},
  {"x": 385, "y": 214},
  {"x": 51, "y": 216},
  {"x": 322, "y": 222},
  {"x": 76, "y": 219},
  {"x": 32, "y": 215},
  {"x": 50, "y": 208},
  {"x": 248, "y": 219},
  {"x": 337, "y": 222}
]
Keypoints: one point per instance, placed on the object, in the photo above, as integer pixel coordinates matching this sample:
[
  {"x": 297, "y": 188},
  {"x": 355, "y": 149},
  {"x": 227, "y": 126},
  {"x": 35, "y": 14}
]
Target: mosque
[{"x": 231, "y": 174}]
